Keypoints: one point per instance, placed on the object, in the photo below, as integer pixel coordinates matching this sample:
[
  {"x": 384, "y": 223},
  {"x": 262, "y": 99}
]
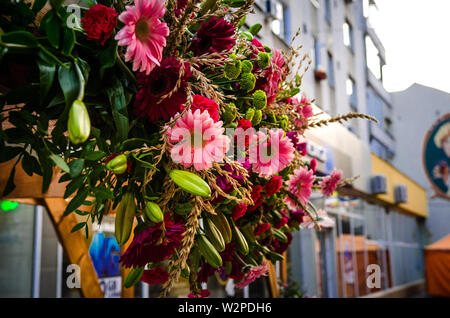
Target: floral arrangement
[{"x": 173, "y": 115}]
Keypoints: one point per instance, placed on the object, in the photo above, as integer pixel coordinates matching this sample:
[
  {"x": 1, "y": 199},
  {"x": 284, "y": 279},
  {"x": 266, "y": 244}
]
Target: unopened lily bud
[
  {"x": 190, "y": 182},
  {"x": 79, "y": 124},
  {"x": 153, "y": 212},
  {"x": 124, "y": 218},
  {"x": 118, "y": 164}
]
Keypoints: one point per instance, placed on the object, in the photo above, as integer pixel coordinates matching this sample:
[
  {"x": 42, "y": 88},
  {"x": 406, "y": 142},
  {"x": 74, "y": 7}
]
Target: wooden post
[
  {"x": 272, "y": 281},
  {"x": 74, "y": 245}
]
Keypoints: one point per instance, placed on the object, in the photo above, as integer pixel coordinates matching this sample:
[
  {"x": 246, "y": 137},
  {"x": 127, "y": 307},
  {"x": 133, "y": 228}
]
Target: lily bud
[
  {"x": 153, "y": 212},
  {"x": 118, "y": 164},
  {"x": 190, "y": 182},
  {"x": 79, "y": 124}
]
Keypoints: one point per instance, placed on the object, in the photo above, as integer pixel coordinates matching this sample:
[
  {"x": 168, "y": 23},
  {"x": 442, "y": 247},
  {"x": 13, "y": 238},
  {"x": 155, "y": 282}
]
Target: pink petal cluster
[
  {"x": 253, "y": 274},
  {"x": 270, "y": 153},
  {"x": 323, "y": 220},
  {"x": 273, "y": 74},
  {"x": 304, "y": 108},
  {"x": 144, "y": 34},
  {"x": 330, "y": 183},
  {"x": 197, "y": 140},
  {"x": 300, "y": 184}
]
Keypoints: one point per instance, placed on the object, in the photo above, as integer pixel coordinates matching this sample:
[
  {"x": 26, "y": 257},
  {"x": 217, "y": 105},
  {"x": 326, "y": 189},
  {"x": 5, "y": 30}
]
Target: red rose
[
  {"x": 238, "y": 211},
  {"x": 282, "y": 222},
  {"x": 261, "y": 229},
  {"x": 99, "y": 23},
  {"x": 273, "y": 186},
  {"x": 245, "y": 124},
  {"x": 203, "y": 103},
  {"x": 154, "y": 276}
]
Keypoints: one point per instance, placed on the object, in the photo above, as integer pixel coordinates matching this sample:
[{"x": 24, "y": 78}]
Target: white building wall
[{"x": 415, "y": 110}]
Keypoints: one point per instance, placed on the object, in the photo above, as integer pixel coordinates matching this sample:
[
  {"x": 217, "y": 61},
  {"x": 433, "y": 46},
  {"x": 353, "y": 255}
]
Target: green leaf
[
  {"x": 255, "y": 28},
  {"x": 60, "y": 162},
  {"x": 21, "y": 38},
  {"x": 77, "y": 227},
  {"x": 242, "y": 22},
  {"x": 101, "y": 192},
  {"x": 10, "y": 186},
  {"x": 69, "y": 82},
  {"x": 53, "y": 28},
  {"x": 47, "y": 75},
  {"x": 9, "y": 153},
  {"x": 38, "y": 5},
  {"x": 76, "y": 167},
  {"x": 82, "y": 213},
  {"x": 95, "y": 155},
  {"x": 69, "y": 41},
  {"x": 73, "y": 186},
  {"x": 108, "y": 56},
  {"x": 77, "y": 201},
  {"x": 56, "y": 4},
  {"x": 119, "y": 109},
  {"x": 30, "y": 164}
]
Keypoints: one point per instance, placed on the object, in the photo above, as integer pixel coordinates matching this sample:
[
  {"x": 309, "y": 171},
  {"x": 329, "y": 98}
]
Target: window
[
  {"x": 351, "y": 93},
  {"x": 373, "y": 58},
  {"x": 281, "y": 24},
  {"x": 330, "y": 70},
  {"x": 328, "y": 10},
  {"x": 317, "y": 60},
  {"x": 348, "y": 35}
]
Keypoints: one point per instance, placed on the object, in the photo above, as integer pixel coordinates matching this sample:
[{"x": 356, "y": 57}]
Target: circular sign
[{"x": 436, "y": 156}]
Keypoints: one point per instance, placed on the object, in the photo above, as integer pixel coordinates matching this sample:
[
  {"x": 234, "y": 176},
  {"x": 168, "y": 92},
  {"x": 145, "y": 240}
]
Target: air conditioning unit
[
  {"x": 401, "y": 193},
  {"x": 378, "y": 184}
]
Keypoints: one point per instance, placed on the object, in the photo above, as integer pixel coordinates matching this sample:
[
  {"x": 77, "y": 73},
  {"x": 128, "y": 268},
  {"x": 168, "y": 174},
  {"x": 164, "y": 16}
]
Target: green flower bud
[
  {"x": 190, "y": 182},
  {"x": 257, "y": 117},
  {"x": 153, "y": 212},
  {"x": 133, "y": 277},
  {"x": 259, "y": 99},
  {"x": 229, "y": 114},
  {"x": 250, "y": 113},
  {"x": 247, "y": 82},
  {"x": 79, "y": 124},
  {"x": 118, "y": 164},
  {"x": 284, "y": 124},
  {"x": 124, "y": 218},
  {"x": 232, "y": 70},
  {"x": 247, "y": 66},
  {"x": 263, "y": 60}
]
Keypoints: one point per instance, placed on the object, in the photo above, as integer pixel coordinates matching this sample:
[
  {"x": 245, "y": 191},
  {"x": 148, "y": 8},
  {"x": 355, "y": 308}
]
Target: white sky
[{"x": 416, "y": 36}]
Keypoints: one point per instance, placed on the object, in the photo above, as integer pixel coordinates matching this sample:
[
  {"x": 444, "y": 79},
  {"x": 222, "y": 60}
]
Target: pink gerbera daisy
[
  {"x": 144, "y": 34},
  {"x": 271, "y": 76},
  {"x": 254, "y": 273},
  {"x": 271, "y": 153},
  {"x": 330, "y": 183},
  {"x": 198, "y": 140},
  {"x": 323, "y": 220},
  {"x": 300, "y": 184}
]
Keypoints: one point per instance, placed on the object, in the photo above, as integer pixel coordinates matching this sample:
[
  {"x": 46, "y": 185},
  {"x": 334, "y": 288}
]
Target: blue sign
[{"x": 105, "y": 253}]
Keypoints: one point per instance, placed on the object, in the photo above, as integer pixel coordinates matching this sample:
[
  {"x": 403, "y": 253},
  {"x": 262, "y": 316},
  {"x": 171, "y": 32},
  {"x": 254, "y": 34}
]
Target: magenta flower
[
  {"x": 253, "y": 274},
  {"x": 300, "y": 184},
  {"x": 144, "y": 34},
  {"x": 330, "y": 183},
  {"x": 272, "y": 75},
  {"x": 271, "y": 153},
  {"x": 197, "y": 140}
]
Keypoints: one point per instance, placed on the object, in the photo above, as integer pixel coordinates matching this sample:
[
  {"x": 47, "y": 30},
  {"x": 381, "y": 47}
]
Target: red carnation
[
  {"x": 261, "y": 229},
  {"x": 282, "y": 222},
  {"x": 273, "y": 186},
  {"x": 159, "y": 82},
  {"x": 156, "y": 275},
  {"x": 256, "y": 197},
  {"x": 301, "y": 147},
  {"x": 238, "y": 211},
  {"x": 245, "y": 124},
  {"x": 99, "y": 23},
  {"x": 203, "y": 103},
  {"x": 215, "y": 35}
]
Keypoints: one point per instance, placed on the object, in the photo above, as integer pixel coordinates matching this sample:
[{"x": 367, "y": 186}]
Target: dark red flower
[
  {"x": 245, "y": 124},
  {"x": 147, "y": 248},
  {"x": 159, "y": 82},
  {"x": 156, "y": 275},
  {"x": 205, "y": 272},
  {"x": 279, "y": 247},
  {"x": 179, "y": 7},
  {"x": 256, "y": 197},
  {"x": 238, "y": 211},
  {"x": 99, "y": 23},
  {"x": 203, "y": 294},
  {"x": 313, "y": 164},
  {"x": 262, "y": 228},
  {"x": 215, "y": 35},
  {"x": 281, "y": 222},
  {"x": 203, "y": 103},
  {"x": 301, "y": 147},
  {"x": 297, "y": 217},
  {"x": 273, "y": 186}
]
